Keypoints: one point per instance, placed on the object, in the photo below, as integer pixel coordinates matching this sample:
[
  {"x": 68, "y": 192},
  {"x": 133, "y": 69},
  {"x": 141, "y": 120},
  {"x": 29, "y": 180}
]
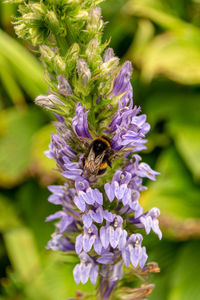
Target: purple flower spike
[
  {"x": 99, "y": 217},
  {"x": 79, "y": 122}
]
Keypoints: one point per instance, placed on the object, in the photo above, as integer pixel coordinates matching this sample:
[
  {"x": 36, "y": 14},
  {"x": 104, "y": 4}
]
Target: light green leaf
[
  {"x": 58, "y": 273},
  {"x": 176, "y": 58},
  {"x": 10, "y": 84},
  {"x": 161, "y": 13},
  {"x": 28, "y": 70},
  {"x": 186, "y": 277},
  {"x": 174, "y": 192},
  {"x": 43, "y": 166},
  {"x": 181, "y": 113},
  {"x": 17, "y": 128},
  {"x": 24, "y": 257},
  {"x": 187, "y": 140},
  {"x": 22, "y": 252},
  {"x": 8, "y": 217},
  {"x": 175, "y": 53}
]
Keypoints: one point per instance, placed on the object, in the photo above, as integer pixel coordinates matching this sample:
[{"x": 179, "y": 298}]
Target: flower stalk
[{"x": 99, "y": 135}]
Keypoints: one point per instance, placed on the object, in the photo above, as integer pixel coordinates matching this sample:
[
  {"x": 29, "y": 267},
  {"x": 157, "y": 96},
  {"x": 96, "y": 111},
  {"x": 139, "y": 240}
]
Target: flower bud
[
  {"x": 48, "y": 102},
  {"x": 38, "y": 8},
  {"x": 47, "y": 52},
  {"x": 83, "y": 72},
  {"x": 81, "y": 15},
  {"x": 60, "y": 64},
  {"x": 109, "y": 65},
  {"x": 95, "y": 22},
  {"x": 63, "y": 86},
  {"x": 73, "y": 52},
  {"x": 92, "y": 49},
  {"x": 20, "y": 30},
  {"x": 109, "y": 53},
  {"x": 31, "y": 17}
]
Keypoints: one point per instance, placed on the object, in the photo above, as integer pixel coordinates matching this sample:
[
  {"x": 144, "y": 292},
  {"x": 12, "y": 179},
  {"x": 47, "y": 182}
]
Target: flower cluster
[{"x": 105, "y": 218}]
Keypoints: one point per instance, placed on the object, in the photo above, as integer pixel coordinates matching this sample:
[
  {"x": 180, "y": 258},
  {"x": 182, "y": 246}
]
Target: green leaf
[
  {"x": 17, "y": 128},
  {"x": 8, "y": 217},
  {"x": 176, "y": 58},
  {"x": 24, "y": 257},
  {"x": 22, "y": 252},
  {"x": 10, "y": 83},
  {"x": 41, "y": 165},
  {"x": 187, "y": 140},
  {"x": 162, "y": 14},
  {"x": 186, "y": 277},
  {"x": 58, "y": 273},
  {"x": 175, "y": 53},
  {"x": 181, "y": 113},
  {"x": 28, "y": 70},
  {"x": 174, "y": 192}
]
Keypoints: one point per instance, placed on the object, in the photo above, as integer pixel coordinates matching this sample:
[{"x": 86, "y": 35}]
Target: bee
[{"x": 99, "y": 157}]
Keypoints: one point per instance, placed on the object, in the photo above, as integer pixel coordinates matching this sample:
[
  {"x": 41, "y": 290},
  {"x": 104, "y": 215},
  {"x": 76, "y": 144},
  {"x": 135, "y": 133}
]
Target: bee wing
[
  {"x": 92, "y": 163},
  {"x": 99, "y": 158},
  {"x": 91, "y": 155}
]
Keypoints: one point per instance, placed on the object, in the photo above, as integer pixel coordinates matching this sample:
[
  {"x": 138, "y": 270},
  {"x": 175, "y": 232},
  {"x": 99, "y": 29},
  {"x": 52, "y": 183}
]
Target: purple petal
[
  {"x": 94, "y": 274},
  {"x": 89, "y": 196},
  {"x": 55, "y": 216},
  {"x": 108, "y": 216},
  {"x": 98, "y": 196},
  {"x": 106, "y": 258},
  {"x": 73, "y": 174},
  {"x": 126, "y": 197},
  {"x": 85, "y": 271},
  {"x": 98, "y": 215},
  {"x": 111, "y": 233},
  {"x": 126, "y": 257},
  {"x": 76, "y": 273},
  {"x": 119, "y": 190},
  {"x": 143, "y": 257},
  {"x": 156, "y": 229},
  {"x": 109, "y": 189},
  {"x": 147, "y": 222},
  {"x": 87, "y": 220},
  {"x": 97, "y": 245},
  {"x": 80, "y": 203},
  {"x": 122, "y": 240},
  {"x": 79, "y": 243},
  {"x": 65, "y": 222},
  {"x": 135, "y": 254},
  {"x": 86, "y": 243},
  {"x": 104, "y": 237}
]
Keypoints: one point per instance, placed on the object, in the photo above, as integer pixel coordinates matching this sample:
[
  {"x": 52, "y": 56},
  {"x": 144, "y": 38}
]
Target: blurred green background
[{"x": 162, "y": 38}]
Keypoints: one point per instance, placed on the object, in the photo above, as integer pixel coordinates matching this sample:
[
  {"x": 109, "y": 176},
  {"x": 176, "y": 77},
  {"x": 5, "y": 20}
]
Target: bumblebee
[{"x": 99, "y": 157}]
